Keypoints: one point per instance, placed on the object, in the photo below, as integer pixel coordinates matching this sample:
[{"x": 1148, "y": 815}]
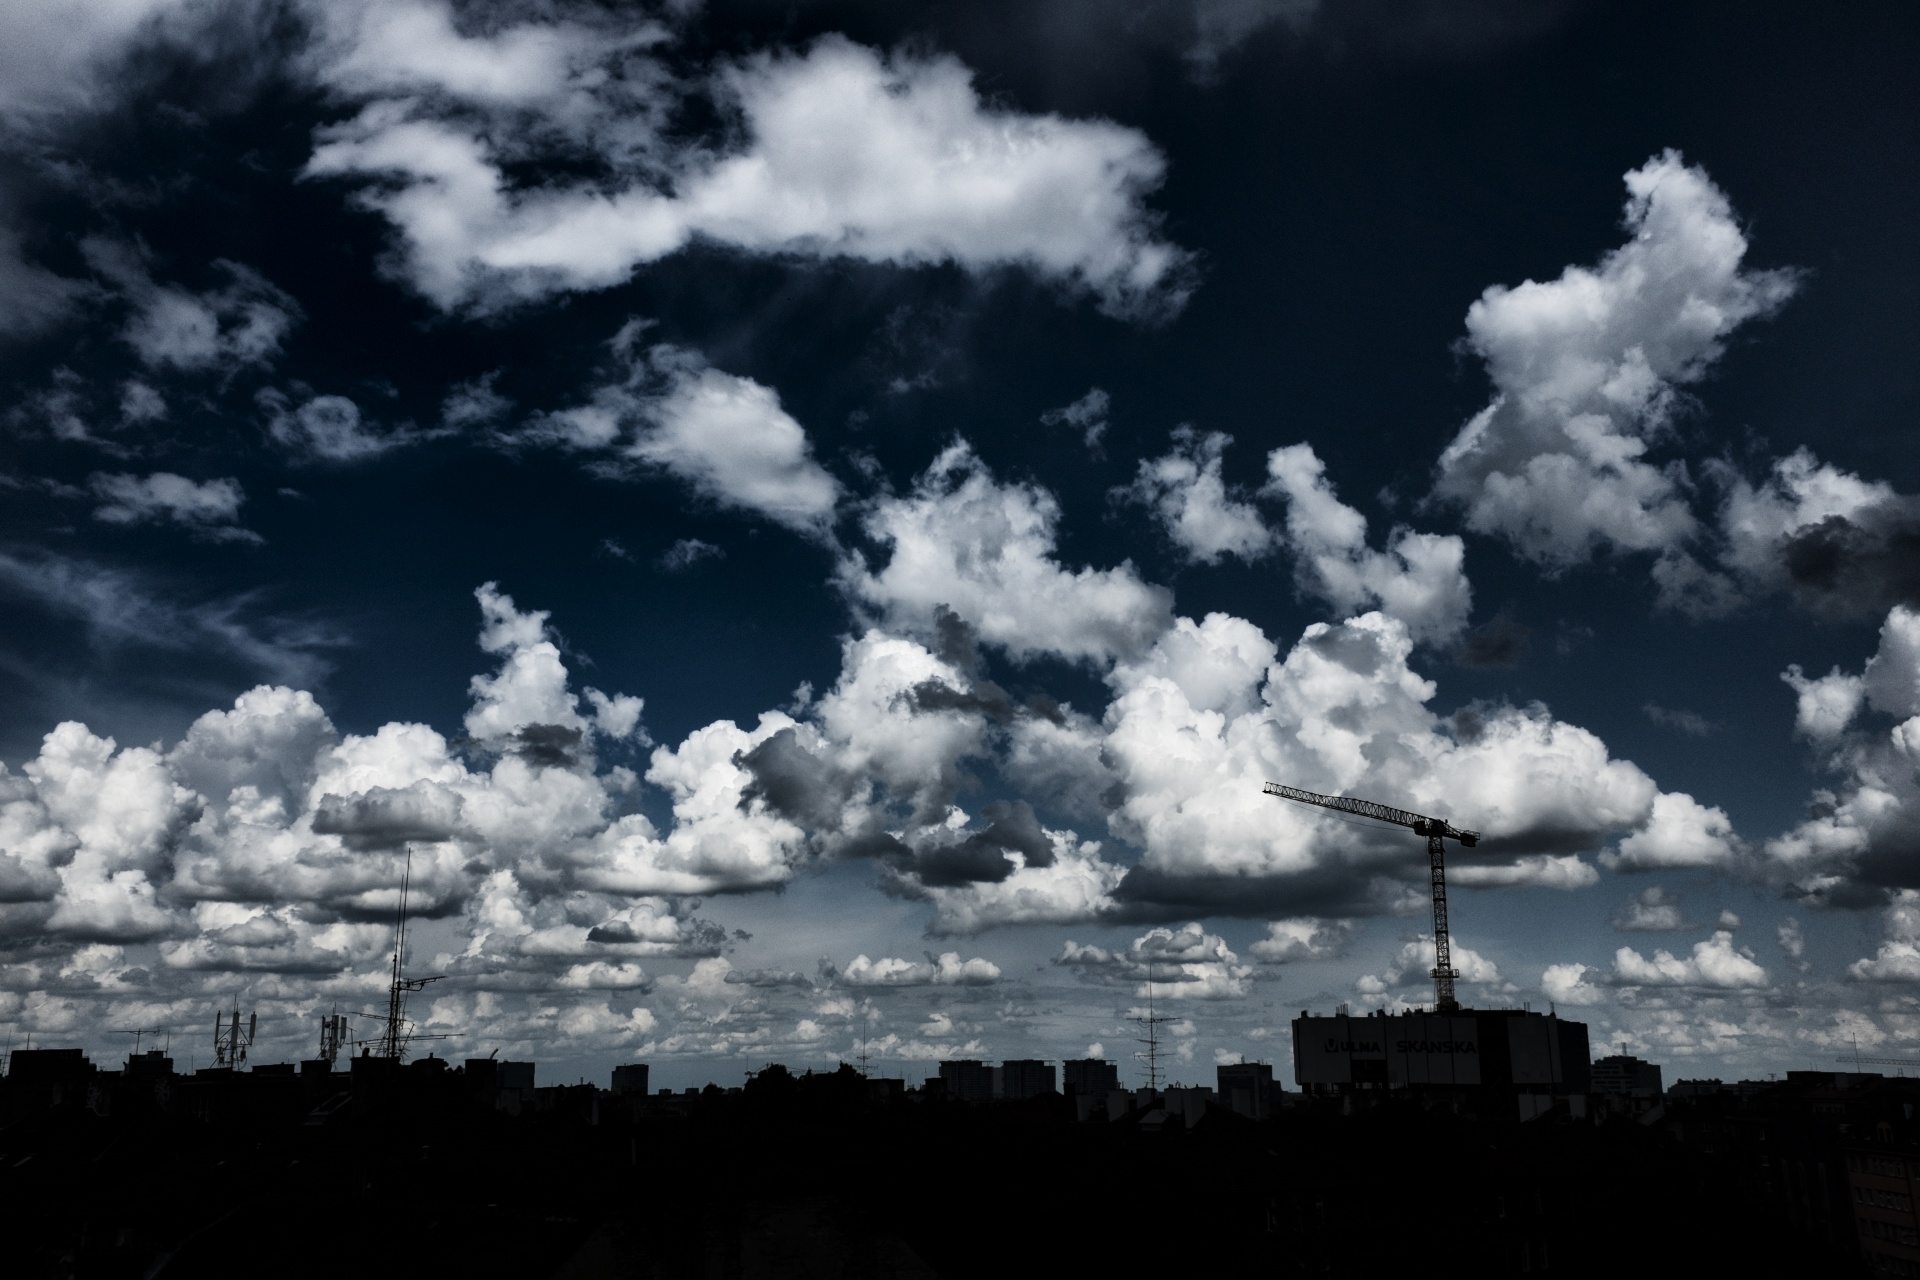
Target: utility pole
[{"x": 1437, "y": 831}]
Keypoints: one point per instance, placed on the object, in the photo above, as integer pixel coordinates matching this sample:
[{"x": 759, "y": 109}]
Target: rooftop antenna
[
  {"x": 394, "y": 1039},
  {"x": 333, "y": 1035},
  {"x": 1152, "y": 1021},
  {"x": 230, "y": 1041},
  {"x": 1436, "y": 830},
  {"x": 137, "y": 1032}
]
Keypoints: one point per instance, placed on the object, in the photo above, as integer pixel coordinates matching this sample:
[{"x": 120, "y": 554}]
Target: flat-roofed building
[
  {"x": 1247, "y": 1088},
  {"x": 1022, "y": 1078},
  {"x": 1626, "y": 1076},
  {"x": 1089, "y": 1077},
  {"x": 1495, "y": 1054},
  {"x": 967, "y": 1079}
]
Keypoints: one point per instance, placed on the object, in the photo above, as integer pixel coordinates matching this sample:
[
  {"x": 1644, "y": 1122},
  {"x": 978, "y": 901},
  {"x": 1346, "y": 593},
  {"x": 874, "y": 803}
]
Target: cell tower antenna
[
  {"x": 333, "y": 1035},
  {"x": 1437, "y": 831},
  {"x": 1152, "y": 1021},
  {"x": 394, "y": 1039},
  {"x": 231, "y": 1041}
]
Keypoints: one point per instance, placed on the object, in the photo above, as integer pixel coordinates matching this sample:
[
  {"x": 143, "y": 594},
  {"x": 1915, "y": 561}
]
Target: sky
[{"x": 800, "y": 530}]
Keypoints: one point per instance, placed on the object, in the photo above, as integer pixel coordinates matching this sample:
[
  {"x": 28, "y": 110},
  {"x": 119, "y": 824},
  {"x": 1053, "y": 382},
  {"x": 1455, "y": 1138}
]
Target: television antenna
[
  {"x": 1437, "y": 831},
  {"x": 1151, "y": 1021},
  {"x": 155, "y": 1032},
  {"x": 397, "y": 1035}
]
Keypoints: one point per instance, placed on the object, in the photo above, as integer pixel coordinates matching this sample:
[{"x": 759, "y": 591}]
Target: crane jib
[{"x": 1419, "y": 823}]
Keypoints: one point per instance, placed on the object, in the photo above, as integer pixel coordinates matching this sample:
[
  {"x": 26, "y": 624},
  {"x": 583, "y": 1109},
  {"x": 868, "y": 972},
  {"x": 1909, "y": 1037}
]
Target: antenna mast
[
  {"x": 230, "y": 1041},
  {"x": 393, "y": 1040},
  {"x": 333, "y": 1035},
  {"x": 1152, "y": 1022},
  {"x": 1437, "y": 831}
]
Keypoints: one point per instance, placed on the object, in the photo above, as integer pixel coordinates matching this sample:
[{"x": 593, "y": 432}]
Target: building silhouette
[
  {"x": 1626, "y": 1077},
  {"x": 1247, "y": 1088},
  {"x": 1496, "y": 1061},
  {"x": 1020, "y": 1078},
  {"x": 1089, "y": 1077},
  {"x": 967, "y": 1079}
]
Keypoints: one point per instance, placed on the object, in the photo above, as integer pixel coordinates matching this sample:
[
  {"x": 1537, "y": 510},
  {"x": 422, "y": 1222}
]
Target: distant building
[
  {"x": 1186, "y": 1103},
  {"x": 513, "y": 1086},
  {"x": 1023, "y": 1078},
  {"x": 1247, "y": 1088},
  {"x": 1627, "y": 1077},
  {"x": 48, "y": 1066},
  {"x": 1500, "y": 1058},
  {"x": 1089, "y": 1077},
  {"x": 968, "y": 1079},
  {"x": 153, "y": 1062},
  {"x": 631, "y": 1078}
]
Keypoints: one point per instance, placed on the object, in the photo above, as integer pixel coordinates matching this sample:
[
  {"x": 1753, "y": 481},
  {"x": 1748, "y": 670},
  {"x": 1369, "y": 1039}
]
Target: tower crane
[{"x": 1436, "y": 830}]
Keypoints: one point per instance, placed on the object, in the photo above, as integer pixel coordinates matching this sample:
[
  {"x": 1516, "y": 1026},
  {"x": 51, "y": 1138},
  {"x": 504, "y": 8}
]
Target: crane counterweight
[{"x": 1437, "y": 831}]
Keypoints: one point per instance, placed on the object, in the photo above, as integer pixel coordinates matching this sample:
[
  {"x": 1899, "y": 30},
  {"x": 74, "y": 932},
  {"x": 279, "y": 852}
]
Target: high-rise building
[
  {"x": 631, "y": 1078},
  {"x": 968, "y": 1079},
  {"x": 1089, "y": 1077},
  {"x": 1247, "y": 1088},
  {"x": 1022, "y": 1078}
]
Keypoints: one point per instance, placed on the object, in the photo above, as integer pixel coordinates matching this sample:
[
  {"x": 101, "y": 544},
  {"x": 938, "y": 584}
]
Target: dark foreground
[{"x": 832, "y": 1181}]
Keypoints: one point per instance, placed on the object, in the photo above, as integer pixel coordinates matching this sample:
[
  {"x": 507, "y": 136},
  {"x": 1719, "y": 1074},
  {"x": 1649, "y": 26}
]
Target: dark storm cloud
[
  {"x": 1332, "y": 889},
  {"x": 386, "y": 817},
  {"x": 1501, "y": 641},
  {"x": 21, "y": 881},
  {"x": 981, "y": 858},
  {"x": 695, "y": 938},
  {"x": 549, "y": 745},
  {"x": 1857, "y": 567},
  {"x": 797, "y": 783}
]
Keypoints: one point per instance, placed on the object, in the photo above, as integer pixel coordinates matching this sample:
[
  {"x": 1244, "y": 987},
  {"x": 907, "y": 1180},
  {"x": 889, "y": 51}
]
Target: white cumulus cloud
[
  {"x": 1185, "y": 491},
  {"x": 986, "y": 550},
  {"x": 837, "y": 151},
  {"x": 724, "y": 435},
  {"x": 946, "y": 969},
  {"x": 1420, "y": 578},
  {"x": 1715, "y": 963},
  {"x": 1586, "y": 370}
]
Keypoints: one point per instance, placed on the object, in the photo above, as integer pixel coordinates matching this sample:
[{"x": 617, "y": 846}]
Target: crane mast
[{"x": 1437, "y": 831}]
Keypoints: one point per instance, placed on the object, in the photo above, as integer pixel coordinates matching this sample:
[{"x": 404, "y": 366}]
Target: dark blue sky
[{"x": 315, "y": 319}]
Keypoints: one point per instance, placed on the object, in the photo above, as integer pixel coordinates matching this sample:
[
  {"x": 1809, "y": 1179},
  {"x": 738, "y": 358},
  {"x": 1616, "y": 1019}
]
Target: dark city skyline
[{"x": 801, "y": 533}]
